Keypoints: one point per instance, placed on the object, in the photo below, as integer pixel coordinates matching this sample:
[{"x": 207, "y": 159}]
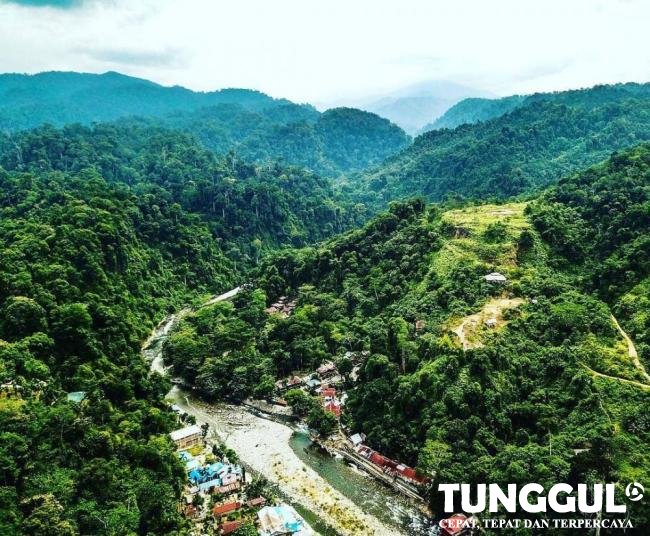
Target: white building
[
  {"x": 187, "y": 437},
  {"x": 496, "y": 277}
]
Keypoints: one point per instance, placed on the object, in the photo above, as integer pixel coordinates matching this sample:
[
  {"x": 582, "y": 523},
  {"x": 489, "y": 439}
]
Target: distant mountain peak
[{"x": 413, "y": 106}]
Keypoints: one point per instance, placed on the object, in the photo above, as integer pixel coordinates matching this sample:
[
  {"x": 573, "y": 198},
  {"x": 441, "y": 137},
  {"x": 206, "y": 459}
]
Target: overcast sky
[{"x": 316, "y": 51}]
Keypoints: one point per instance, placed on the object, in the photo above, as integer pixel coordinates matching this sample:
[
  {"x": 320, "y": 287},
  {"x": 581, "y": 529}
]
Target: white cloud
[{"x": 325, "y": 50}]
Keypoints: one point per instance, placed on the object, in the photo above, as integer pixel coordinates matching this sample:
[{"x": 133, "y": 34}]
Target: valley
[{"x": 467, "y": 306}]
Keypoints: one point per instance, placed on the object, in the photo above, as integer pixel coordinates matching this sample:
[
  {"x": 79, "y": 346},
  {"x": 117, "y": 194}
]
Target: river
[{"x": 333, "y": 494}]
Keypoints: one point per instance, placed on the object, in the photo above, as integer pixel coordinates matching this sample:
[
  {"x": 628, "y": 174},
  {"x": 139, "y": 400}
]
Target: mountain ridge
[
  {"x": 472, "y": 110},
  {"x": 513, "y": 154}
]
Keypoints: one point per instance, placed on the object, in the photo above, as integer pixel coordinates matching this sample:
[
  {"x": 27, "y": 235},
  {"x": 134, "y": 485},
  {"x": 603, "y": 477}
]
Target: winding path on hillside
[
  {"x": 469, "y": 326},
  {"x": 631, "y": 350},
  {"x": 617, "y": 378}
]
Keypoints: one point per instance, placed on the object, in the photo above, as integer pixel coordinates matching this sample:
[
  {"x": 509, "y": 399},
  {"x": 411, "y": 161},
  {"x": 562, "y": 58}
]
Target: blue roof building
[
  {"x": 191, "y": 465},
  {"x": 213, "y": 483},
  {"x": 196, "y": 476},
  {"x": 76, "y": 396},
  {"x": 185, "y": 456}
]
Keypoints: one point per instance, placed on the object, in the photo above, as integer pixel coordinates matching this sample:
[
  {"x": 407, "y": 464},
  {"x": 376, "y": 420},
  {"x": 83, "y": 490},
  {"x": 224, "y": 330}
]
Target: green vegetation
[
  {"x": 250, "y": 208},
  {"x": 106, "y": 228},
  {"x": 85, "y": 268},
  {"x": 340, "y": 140},
  {"x": 61, "y": 98},
  {"x": 520, "y": 152},
  {"x": 473, "y": 110}
]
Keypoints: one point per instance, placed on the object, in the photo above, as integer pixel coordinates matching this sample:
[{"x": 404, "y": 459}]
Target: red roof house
[
  {"x": 409, "y": 473},
  {"x": 378, "y": 459},
  {"x": 328, "y": 392},
  {"x": 228, "y": 527},
  {"x": 226, "y": 508},
  {"x": 334, "y": 408}
]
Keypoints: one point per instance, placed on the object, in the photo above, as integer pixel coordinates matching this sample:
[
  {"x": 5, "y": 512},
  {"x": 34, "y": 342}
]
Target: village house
[
  {"x": 391, "y": 467},
  {"x": 11, "y": 388},
  {"x": 333, "y": 408},
  {"x": 288, "y": 383},
  {"x": 327, "y": 370},
  {"x": 191, "y": 465},
  {"x": 187, "y": 437},
  {"x": 257, "y": 501},
  {"x": 456, "y": 525},
  {"x": 491, "y": 322},
  {"x": 312, "y": 383},
  {"x": 283, "y": 306},
  {"x": 328, "y": 393},
  {"x": 226, "y": 508},
  {"x": 331, "y": 403},
  {"x": 191, "y": 511},
  {"x": 228, "y": 527},
  {"x": 76, "y": 396},
  {"x": 282, "y": 519},
  {"x": 215, "y": 476},
  {"x": 357, "y": 439},
  {"x": 230, "y": 488}
]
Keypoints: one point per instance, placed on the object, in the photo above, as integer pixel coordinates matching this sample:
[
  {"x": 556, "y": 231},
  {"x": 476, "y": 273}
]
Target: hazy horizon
[{"x": 358, "y": 51}]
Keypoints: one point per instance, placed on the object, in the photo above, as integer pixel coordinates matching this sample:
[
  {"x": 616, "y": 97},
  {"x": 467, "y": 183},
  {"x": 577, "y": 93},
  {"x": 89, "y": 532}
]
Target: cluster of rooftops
[{"x": 387, "y": 465}]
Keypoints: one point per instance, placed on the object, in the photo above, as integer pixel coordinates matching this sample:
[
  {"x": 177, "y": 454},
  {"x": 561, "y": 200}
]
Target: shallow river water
[{"x": 371, "y": 496}]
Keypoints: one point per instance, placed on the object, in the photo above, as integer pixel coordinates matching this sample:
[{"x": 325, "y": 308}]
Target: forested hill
[
  {"x": 473, "y": 110},
  {"x": 86, "y": 268},
  {"x": 256, "y": 126},
  {"x": 250, "y": 208},
  {"x": 547, "y": 391},
  {"x": 338, "y": 141},
  {"x": 103, "y": 230},
  {"x": 525, "y": 150}
]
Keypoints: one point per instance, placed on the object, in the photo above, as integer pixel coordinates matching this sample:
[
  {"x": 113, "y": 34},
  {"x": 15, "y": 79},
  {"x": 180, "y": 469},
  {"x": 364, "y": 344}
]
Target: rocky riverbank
[{"x": 264, "y": 446}]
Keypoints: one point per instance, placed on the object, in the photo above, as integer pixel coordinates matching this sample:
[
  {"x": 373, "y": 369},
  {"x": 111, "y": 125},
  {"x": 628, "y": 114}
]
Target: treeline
[
  {"x": 336, "y": 142},
  {"x": 473, "y": 110},
  {"x": 86, "y": 267},
  {"x": 62, "y": 98}
]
